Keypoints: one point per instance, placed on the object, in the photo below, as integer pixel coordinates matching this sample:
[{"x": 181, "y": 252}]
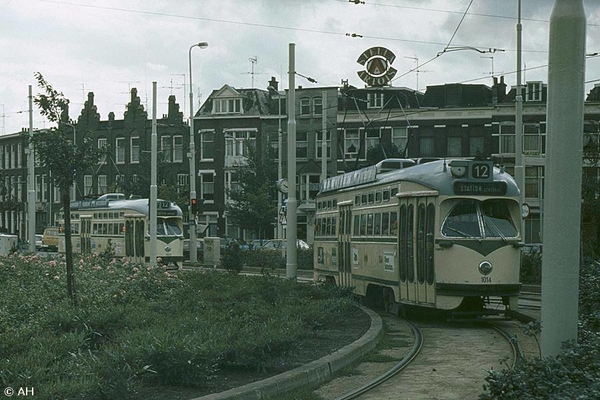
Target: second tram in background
[
  {"x": 442, "y": 235},
  {"x": 125, "y": 224}
]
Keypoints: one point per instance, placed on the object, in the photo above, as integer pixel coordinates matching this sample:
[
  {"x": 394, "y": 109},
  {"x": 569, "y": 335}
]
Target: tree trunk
[{"x": 66, "y": 202}]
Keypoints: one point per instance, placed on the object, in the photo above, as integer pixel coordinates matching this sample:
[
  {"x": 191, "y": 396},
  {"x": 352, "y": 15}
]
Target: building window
[
  {"x": 183, "y": 183},
  {"x": 426, "y": 147},
  {"x": 178, "y": 148},
  {"x": 238, "y": 142},
  {"x": 207, "y": 140},
  {"x": 102, "y": 186},
  {"x": 302, "y": 145},
  {"x": 305, "y": 106},
  {"x": 351, "y": 143},
  {"x": 135, "y": 149},
  {"x": 374, "y": 100},
  {"x": 533, "y": 138},
  {"x": 534, "y": 178},
  {"x": 533, "y": 91},
  {"x": 87, "y": 185},
  {"x": 372, "y": 138},
  {"x": 506, "y": 138},
  {"x": 120, "y": 150},
  {"x": 13, "y": 156},
  {"x": 44, "y": 188},
  {"x": 19, "y": 151},
  {"x": 319, "y": 144},
  {"x": 476, "y": 146},
  {"x": 318, "y": 105},
  {"x": 227, "y": 106},
  {"x": 102, "y": 144},
  {"x": 207, "y": 185},
  {"x": 165, "y": 148},
  {"x": 454, "y": 146},
  {"x": 38, "y": 188},
  {"x": 400, "y": 138}
]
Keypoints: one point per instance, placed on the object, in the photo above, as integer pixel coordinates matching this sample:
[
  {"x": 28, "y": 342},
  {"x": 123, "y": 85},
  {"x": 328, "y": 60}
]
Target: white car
[
  {"x": 38, "y": 242},
  {"x": 278, "y": 244}
]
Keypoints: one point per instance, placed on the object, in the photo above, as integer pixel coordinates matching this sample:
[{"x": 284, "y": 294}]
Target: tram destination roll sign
[
  {"x": 471, "y": 188},
  {"x": 378, "y": 66}
]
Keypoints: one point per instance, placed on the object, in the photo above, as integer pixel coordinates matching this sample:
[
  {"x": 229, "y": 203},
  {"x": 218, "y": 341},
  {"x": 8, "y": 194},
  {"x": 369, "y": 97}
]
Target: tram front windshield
[
  {"x": 480, "y": 219},
  {"x": 168, "y": 227}
]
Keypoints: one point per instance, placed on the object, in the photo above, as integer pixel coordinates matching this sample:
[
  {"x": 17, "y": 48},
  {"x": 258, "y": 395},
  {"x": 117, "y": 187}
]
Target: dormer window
[
  {"x": 533, "y": 91},
  {"x": 227, "y": 106}
]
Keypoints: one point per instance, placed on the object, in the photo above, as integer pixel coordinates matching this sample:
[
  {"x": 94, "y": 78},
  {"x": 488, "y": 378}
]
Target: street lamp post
[
  {"x": 272, "y": 91},
  {"x": 192, "y": 156}
]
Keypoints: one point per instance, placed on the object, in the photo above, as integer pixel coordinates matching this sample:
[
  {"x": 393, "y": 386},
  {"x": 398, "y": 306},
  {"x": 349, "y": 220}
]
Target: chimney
[{"x": 274, "y": 84}]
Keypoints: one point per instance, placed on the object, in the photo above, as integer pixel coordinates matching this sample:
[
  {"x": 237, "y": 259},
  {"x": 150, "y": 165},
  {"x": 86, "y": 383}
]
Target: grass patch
[{"x": 138, "y": 327}]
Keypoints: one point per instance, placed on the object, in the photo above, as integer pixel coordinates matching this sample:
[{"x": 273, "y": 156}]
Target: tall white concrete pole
[
  {"x": 31, "y": 181},
  {"x": 519, "y": 167},
  {"x": 153, "y": 187},
  {"x": 564, "y": 158},
  {"x": 324, "y": 137},
  {"x": 279, "y": 167},
  {"x": 192, "y": 156},
  {"x": 292, "y": 234}
]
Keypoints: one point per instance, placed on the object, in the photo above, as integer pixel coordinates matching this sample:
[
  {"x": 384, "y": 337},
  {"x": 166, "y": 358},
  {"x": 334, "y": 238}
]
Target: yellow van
[{"x": 50, "y": 239}]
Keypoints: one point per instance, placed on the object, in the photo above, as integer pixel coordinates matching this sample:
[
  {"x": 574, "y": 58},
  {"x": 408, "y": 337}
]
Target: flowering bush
[{"x": 138, "y": 325}]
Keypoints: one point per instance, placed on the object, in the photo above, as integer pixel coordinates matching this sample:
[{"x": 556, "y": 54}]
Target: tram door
[
  {"x": 416, "y": 249},
  {"x": 134, "y": 238},
  {"x": 344, "y": 248},
  {"x": 85, "y": 231}
]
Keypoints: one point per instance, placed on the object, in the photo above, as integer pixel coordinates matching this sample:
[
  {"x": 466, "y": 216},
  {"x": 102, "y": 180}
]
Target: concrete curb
[{"x": 311, "y": 374}]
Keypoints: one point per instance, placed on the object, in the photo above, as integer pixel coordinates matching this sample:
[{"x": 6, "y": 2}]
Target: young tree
[
  {"x": 66, "y": 153},
  {"x": 253, "y": 204}
]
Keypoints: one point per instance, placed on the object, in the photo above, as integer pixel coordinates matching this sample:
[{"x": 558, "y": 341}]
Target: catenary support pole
[
  {"x": 292, "y": 253},
  {"x": 519, "y": 167},
  {"x": 31, "y": 181},
  {"x": 153, "y": 187},
  {"x": 324, "y": 137},
  {"x": 562, "y": 195}
]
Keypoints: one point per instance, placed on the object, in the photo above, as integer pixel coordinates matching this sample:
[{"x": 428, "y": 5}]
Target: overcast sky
[{"x": 110, "y": 46}]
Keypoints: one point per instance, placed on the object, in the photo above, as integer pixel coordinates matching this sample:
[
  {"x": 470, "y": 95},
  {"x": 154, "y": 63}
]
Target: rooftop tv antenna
[{"x": 253, "y": 60}]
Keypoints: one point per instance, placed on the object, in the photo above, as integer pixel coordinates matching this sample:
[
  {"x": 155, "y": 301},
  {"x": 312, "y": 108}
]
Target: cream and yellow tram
[
  {"x": 441, "y": 235},
  {"x": 125, "y": 224}
]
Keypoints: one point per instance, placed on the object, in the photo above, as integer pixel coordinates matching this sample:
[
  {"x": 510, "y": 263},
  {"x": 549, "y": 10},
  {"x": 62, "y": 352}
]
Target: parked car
[
  {"x": 199, "y": 249},
  {"x": 50, "y": 239},
  {"x": 278, "y": 244},
  {"x": 226, "y": 242},
  {"x": 38, "y": 242}
]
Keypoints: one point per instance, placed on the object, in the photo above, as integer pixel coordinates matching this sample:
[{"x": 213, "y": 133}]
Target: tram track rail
[
  {"x": 421, "y": 365},
  {"x": 412, "y": 354}
]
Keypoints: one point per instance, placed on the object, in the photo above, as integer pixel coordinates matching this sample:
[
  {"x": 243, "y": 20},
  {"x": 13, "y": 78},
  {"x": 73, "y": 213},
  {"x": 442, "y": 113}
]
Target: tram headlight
[
  {"x": 458, "y": 168},
  {"x": 168, "y": 248},
  {"x": 485, "y": 267}
]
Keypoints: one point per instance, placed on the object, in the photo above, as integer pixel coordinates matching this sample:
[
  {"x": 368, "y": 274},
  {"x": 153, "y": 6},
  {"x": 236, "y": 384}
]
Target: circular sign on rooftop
[{"x": 378, "y": 66}]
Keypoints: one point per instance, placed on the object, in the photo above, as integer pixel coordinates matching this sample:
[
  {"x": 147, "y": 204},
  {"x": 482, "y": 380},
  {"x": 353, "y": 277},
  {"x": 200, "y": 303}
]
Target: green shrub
[
  {"x": 531, "y": 268},
  {"x": 138, "y": 326},
  {"x": 306, "y": 258},
  {"x": 573, "y": 374},
  {"x": 232, "y": 259}
]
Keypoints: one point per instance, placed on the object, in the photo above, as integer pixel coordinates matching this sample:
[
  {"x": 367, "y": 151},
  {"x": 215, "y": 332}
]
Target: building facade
[{"x": 350, "y": 127}]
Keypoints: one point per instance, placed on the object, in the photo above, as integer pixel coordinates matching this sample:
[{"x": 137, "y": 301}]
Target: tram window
[
  {"x": 357, "y": 200},
  {"x": 371, "y": 198},
  {"x": 393, "y": 223},
  {"x": 386, "y": 195},
  {"x": 370, "y": 224},
  {"x": 496, "y": 219},
  {"x": 378, "y": 197},
  {"x": 403, "y": 244},
  {"x": 319, "y": 205},
  {"x": 385, "y": 224},
  {"x": 393, "y": 192},
  {"x": 172, "y": 228},
  {"x": 421, "y": 243},
  {"x": 121, "y": 229},
  {"x": 429, "y": 273},
  {"x": 410, "y": 256},
  {"x": 363, "y": 199},
  {"x": 363, "y": 224},
  {"x": 75, "y": 228},
  {"x": 160, "y": 228},
  {"x": 95, "y": 229},
  {"x": 329, "y": 204},
  {"x": 462, "y": 220},
  {"x": 334, "y": 203},
  {"x": 377, "y": 230},
  {"x": 333, "y": 226},
  {"x": 356, "y": 224},
  {"x": 327, "y": 226}
]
